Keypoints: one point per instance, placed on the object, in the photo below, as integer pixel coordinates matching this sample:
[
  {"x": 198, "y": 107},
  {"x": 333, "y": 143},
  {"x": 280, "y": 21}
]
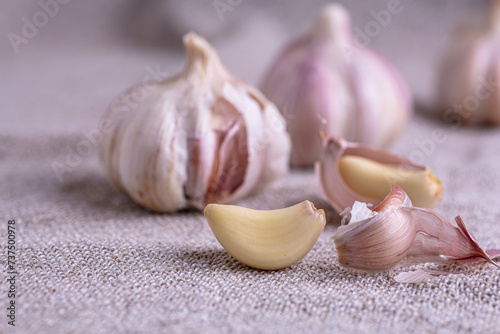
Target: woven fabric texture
[{"x": 92, "y": 261}]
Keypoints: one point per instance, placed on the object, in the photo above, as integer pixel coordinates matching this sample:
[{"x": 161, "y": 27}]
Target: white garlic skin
[
  {"x": 325, "y": 77},
  {"x": 202, "y": 136},
  {"x": 469, "y": 76}
]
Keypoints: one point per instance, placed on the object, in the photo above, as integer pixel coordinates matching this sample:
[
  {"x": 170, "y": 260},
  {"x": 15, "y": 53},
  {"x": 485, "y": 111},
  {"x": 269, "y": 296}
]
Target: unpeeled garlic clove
[
  {"x": 350, "y": 172},
  {"x": 375, "y": 241},
  {"x": 266, "y": 239},
  {"x": 469, "y": 76},
  {"x": 324, "y": 77},
  {"x": 199, "y": 137},
  {"x": 395, "y": 233}
]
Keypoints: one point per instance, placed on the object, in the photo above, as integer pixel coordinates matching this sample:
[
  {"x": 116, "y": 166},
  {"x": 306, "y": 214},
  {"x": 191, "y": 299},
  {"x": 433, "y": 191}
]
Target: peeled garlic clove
[
  {"x": 325, "y": 77},
  {"x": 200, "y": 137},
  {"x": 266, "y": 239},
  {"x": 395, "y": 233},
  {"x": 469, "y": 77},
  {"x": 351, "y": 172}
]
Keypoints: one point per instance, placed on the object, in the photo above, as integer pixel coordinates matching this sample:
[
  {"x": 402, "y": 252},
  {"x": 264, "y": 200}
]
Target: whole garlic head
[
  {"x": 469, "y": 77},
  {"x": 202, "y": 136},
  {"x": 324, "y": 78}
]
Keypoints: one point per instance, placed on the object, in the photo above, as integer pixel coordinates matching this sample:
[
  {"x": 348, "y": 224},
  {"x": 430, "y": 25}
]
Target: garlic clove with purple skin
[
  {"x": 324, "y": 77},
  {"x": 202, "y": 136},
  {"x": 396, "y": 233},
  {"x": 350, "y": 172},
  {"x": 469, "y": 77}
]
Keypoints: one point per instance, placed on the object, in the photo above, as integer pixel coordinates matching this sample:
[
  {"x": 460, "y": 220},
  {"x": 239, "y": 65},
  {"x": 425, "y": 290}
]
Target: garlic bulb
[
  {"x": 395, "y": 232},
  {"x": 325, "y": 78},
  {"x": 468, "y": 81},
  {"x": 351, "y": 172},
  {"x": 200, "y": 137}
]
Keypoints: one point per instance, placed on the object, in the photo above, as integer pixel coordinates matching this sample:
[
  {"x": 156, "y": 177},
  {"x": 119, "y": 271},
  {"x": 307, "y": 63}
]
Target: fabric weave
[{"x": 92, "y": 261}]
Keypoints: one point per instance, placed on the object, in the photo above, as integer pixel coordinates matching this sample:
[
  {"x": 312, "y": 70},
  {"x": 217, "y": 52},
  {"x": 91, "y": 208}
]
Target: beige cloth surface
[{"x": 92, "y": 261}]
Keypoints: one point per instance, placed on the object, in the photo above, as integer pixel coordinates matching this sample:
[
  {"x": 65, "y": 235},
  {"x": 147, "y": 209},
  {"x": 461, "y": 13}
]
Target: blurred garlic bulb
[
  {"x": 325, "y": 78},
  {"x": 200, "y": 137},
  {"x": 351, "y": 172},
  {"x": 469, "y": 78},
  {"x": 395, "y": 233}
]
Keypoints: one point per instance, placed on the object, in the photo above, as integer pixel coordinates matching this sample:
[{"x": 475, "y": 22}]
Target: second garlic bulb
[
  {"x": 469, "y": 77},
  {"x": 324, "y": 77},
  {"x": 202, "y": 136}
]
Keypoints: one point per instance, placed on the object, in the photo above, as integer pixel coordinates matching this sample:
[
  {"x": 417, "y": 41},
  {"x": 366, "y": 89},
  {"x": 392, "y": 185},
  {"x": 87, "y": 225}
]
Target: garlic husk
[
  {"x": 375, "y": 173},
  {"x": 199, "y": 137},
  {"x": 419, "y": 275},
  {"x": 396, "y": 233},
  {"x": 324, "y": 80},
  {"x": 469, "y": 75}
]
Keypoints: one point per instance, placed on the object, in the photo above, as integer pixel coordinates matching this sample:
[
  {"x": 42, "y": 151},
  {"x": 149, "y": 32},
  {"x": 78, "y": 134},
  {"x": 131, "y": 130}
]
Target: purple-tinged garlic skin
[
  {"x": 469, "y": 76},
  {"x": 396, "y": 233},
  {"x": 202, "y": 136},
  {"x": 358, "y": 248},
  {"x": 426, "y": 191},
  {"x": 324, "y": 81}
]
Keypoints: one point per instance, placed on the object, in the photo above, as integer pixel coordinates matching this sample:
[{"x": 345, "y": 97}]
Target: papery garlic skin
[
  {"x": 377, "y": 242},
  {"x": 469, "y": 76},
  {"x": 202, "y": 136},
  {"x": 396, "y": 233},
  {"x": 349, "y": 172},
  {"x": 324, "y": 81}
]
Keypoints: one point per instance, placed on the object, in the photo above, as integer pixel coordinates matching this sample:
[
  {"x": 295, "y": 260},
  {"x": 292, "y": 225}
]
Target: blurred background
[{"x": 61, "y": 62}]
